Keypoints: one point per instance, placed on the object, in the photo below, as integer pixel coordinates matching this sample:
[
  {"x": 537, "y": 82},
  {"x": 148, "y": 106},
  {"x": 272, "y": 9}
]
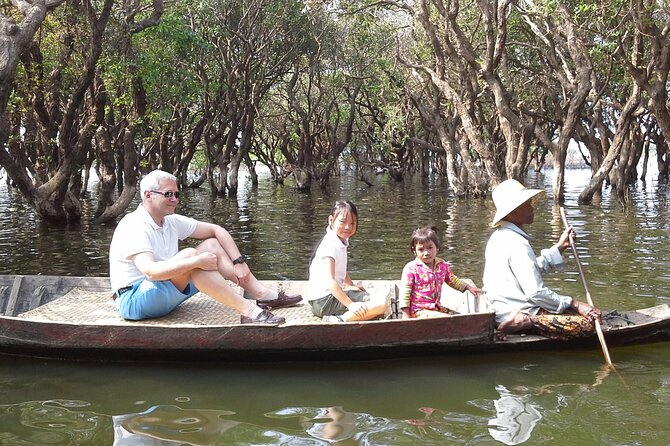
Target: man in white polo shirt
[{"x": 150, "y": 276}]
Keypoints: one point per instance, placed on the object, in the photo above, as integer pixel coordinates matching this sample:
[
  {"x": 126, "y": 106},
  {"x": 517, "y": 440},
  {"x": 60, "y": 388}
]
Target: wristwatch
[{"x": 239, "y": 260}]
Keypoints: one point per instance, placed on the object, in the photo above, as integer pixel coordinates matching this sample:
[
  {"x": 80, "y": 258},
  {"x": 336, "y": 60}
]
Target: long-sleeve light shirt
[{"x": 513, "y": 275}]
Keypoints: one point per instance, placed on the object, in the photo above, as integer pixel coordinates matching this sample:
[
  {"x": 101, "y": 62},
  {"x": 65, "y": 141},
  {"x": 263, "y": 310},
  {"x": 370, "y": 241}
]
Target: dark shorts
[
  {"x": 329, "y": 305},
  {"x": 147, "y": 299}
]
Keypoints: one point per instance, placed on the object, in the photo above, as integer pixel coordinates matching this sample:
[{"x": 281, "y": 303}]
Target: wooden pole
[{"x": 599, "y": 329}]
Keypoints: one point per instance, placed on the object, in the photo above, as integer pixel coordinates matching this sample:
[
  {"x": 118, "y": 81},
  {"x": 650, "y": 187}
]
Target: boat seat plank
[
  {"x": 13, "y": 301},
  {"x": 4, "y": 298}
]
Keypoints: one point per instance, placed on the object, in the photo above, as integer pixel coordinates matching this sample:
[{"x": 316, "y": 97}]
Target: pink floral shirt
[{"x": 421, "y": 285}]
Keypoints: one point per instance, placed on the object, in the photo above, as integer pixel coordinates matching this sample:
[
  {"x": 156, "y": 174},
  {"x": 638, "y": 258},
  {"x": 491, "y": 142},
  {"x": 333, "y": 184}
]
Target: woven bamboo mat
[{"x": 81, "y": 306}]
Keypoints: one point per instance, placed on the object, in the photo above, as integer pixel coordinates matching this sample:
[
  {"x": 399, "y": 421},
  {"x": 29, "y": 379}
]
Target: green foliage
[
  {"x": 223, "y": 58},
  {"x": 199, "y": 160},
  {"x": 167, "y": 55}
]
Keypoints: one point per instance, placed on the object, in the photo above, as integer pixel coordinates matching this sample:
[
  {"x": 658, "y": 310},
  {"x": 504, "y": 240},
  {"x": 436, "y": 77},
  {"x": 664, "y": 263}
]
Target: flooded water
[{"x": 525, "y": 398}]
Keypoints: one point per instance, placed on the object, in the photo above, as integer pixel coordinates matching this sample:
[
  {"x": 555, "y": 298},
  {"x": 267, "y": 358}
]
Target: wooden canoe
[{"x": 75, "y": 318}]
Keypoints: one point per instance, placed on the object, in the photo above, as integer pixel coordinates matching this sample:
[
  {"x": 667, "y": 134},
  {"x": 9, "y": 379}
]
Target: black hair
[
  {"x": 341, "y": 206},
  {"x": 424, "y": 234}
]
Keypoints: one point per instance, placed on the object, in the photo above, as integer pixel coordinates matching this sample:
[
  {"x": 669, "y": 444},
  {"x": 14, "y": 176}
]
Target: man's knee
[
  {"x": 189, "y": 252},
  {"x": 186, "y": 252},
  {"x": 211, "y": 245}
]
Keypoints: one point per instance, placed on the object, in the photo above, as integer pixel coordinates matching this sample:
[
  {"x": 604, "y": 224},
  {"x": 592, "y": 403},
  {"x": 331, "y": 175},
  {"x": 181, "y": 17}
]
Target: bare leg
[
  {"x": 369, "y": 310},
  {"x": 214, "y": 285},
  {"x": 252, "y": 285}
]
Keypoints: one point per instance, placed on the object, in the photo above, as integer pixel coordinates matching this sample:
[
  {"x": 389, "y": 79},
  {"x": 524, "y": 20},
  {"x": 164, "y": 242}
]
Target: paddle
[{"x": 599, "y": 330}]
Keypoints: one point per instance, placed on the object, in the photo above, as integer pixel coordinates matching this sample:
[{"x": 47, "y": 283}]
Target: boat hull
[
  {"x": 371, "y": 340},
  {"x": 189, "y": 341},
  {"x": 298, "y": 339}
]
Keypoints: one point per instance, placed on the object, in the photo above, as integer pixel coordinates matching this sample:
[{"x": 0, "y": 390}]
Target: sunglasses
[{"x": 168, "y": 194}]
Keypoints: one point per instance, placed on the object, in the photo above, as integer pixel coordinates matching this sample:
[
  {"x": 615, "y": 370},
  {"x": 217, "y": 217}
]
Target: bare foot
[
  {"x": 504, "y": 324},
  {"x": 519, "y": 322}
]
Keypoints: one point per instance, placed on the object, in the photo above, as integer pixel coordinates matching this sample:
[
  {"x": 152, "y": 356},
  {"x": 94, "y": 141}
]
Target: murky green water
[{"x": 526, "y": 398}]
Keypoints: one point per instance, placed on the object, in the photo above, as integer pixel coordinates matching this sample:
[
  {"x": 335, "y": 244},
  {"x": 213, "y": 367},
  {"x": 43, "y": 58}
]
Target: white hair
[{"x": 152, "y": 179}]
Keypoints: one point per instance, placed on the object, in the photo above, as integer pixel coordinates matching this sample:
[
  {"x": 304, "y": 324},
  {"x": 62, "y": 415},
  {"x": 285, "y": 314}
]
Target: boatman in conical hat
[{"x": 513, "y": 274}]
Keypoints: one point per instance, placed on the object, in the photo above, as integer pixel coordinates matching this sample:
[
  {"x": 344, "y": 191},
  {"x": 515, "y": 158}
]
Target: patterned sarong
[{"x": 562, "y": 326}]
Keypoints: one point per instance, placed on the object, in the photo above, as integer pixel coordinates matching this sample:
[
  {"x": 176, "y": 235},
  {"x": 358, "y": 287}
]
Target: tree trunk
[
  {"x": 106, "y": 171},
  {"x": 130, "y": 178},
  {"x": 14, "y": 40},
  {"x": 624, "y": 123},
  {"x": 242, "y": 151}
]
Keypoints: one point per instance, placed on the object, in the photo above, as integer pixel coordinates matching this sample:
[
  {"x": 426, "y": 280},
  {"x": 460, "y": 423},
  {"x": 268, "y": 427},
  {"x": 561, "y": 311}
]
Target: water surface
[{"x": 524, "y": 398}]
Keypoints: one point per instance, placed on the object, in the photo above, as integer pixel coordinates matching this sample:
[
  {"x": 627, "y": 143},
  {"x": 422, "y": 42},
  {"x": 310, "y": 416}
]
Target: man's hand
[
  {"x": 586, "y": 310},
  {"x": 207, "y": 261},
  {"x": 566, "y": 238},
  {"x": 242, "y": 273}
]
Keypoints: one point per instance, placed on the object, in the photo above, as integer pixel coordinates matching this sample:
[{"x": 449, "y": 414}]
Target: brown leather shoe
[
  {"x": 264, "y": 318},
  {"x": 282, "y": 300}
]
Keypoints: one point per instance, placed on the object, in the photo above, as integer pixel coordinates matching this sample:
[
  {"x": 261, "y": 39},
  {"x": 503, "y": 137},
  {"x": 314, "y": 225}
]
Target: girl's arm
[
  {"x": 462, "y": 284},
  {"x": 406, "y": 287},
  {"x": 349, "y": 282},
  {"x": 465, "y": 285},
  {"x": 474, "y": 289},
  {"x": 335, "y": 287}
]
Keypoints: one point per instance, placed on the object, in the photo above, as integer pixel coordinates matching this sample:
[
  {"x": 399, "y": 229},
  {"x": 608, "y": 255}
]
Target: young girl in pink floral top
[{"x": 422, "y": 278}]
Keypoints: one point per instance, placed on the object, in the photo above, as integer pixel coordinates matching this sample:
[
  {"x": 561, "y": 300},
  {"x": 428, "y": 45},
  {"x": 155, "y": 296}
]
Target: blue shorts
[{"x": 147, "y": 299}]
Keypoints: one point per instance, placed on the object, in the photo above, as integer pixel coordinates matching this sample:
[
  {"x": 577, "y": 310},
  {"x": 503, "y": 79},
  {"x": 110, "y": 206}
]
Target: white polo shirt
[{"x": 137, "y": 232}]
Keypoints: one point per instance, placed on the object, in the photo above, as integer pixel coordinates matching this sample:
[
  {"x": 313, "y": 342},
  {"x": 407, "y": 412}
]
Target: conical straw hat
[{"x": 509, "y": 195}]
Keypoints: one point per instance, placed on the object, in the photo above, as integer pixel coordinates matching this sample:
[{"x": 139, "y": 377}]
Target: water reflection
[
  {"x": 332, "y": 424},
  {"x": 172, "y": 425},
  {"x": 62, "y": 422},
  {"x": 466, "y": 401},
  {"x": 515, "y": 418}
]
